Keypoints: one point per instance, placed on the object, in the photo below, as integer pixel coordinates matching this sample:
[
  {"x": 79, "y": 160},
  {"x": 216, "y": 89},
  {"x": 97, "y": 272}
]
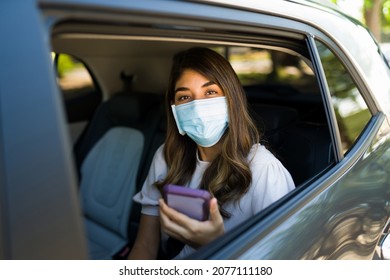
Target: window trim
[
  {"x": 356, "y": 75},
  {"x": 360, "y": 85},
  {"x": 326, "y": 97}
]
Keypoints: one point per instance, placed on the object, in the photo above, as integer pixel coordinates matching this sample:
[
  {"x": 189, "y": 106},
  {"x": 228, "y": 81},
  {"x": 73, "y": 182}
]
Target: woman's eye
[
  {"x": 182, "y": 98},
  {"x": 210, "y": 92}
]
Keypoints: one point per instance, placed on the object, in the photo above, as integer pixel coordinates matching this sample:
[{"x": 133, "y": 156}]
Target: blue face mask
[{"x": 203, "y": 120}]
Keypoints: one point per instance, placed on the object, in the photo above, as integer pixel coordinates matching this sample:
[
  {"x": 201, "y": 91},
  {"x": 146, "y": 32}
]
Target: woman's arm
[{"x": 148, "y": 239}]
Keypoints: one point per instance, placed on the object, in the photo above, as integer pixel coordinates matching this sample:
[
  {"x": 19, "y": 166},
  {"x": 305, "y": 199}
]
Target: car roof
[
  {"x": 324, "y": 3},
  {"x": 317, "y": 19}
]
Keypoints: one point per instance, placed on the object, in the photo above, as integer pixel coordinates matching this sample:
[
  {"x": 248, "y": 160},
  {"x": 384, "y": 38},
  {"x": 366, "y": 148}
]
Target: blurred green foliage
[
  {"x": 367, "y": 4},
  {"x": 66, "y": 63},
  {"x": 352, "y": 115}
]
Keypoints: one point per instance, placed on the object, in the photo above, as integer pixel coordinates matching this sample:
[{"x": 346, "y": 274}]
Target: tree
[{"x": 373, "y": 13}]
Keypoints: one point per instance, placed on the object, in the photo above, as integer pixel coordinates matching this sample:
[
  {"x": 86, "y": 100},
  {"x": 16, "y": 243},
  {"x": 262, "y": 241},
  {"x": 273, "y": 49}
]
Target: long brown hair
[{"x": 228, "y": 176}]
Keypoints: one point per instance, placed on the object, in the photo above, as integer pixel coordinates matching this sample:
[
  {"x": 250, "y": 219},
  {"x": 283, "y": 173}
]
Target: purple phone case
[{"x": 191, "y": 202}]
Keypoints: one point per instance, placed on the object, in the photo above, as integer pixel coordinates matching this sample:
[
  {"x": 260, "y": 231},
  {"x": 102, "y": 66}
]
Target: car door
[
  {"x": 340, "y": 214},
  {"x": 39, "y": 216}
]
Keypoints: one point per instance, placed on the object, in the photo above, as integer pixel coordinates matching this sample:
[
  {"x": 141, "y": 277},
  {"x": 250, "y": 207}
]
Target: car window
[
  {"x": 351, "y": 111},
  {"x": 286, "y": 104},
  {"x": 254, "y": 66},
  {"x": 73, "y": 76},
  {"x": 80, "y": 92}
]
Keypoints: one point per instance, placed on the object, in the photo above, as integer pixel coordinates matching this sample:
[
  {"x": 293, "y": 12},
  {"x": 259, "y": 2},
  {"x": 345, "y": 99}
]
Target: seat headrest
[
  {"x": 131, "y": 108},
  {"x": 273, "y": 117},
  {"x": 124, "y": 107}
]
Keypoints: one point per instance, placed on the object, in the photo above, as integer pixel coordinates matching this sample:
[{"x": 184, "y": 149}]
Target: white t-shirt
[{"x": 270, "y": 181}]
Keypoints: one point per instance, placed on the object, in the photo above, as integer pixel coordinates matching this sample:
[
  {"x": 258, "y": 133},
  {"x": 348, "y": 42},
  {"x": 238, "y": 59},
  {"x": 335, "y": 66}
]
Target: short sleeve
[
  {"x": 149, "y": 194},
  {"x": 270, "y": 179}
]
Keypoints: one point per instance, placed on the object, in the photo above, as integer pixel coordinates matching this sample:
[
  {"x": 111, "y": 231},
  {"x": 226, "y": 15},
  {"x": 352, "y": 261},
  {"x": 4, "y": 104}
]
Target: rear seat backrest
[
  {"x": 271, "y": 119},
  {"x": 304, "y": 148},
  {"x": 136, "y": 110},
  {"x": 109, "y": 174},
  {"x": 109, "y": 156},
  {"x": 156, "y": 141}
]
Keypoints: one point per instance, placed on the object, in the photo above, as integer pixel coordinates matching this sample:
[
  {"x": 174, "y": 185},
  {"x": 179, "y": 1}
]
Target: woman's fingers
[
  {"x": 215, "y": 215},
  {"x": 174, "y": 223},
  {"x": 191, "y": 231},
  {"x": 174, "y": 215}
]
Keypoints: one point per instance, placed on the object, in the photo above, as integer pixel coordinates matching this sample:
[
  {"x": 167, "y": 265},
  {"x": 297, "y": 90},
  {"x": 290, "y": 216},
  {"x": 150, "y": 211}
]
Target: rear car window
[
  {"x": 80, "y": 92},
  {"x": 72, "y": 75},
  {"x": 254, "y": 66},
  {"x": 351, "y": 111}
]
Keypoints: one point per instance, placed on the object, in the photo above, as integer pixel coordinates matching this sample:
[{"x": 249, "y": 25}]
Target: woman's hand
[{"x": 191, "y": 231}]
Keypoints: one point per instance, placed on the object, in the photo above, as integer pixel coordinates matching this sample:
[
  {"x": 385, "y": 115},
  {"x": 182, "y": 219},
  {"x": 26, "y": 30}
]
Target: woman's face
[{"x": 192, "y": 86}]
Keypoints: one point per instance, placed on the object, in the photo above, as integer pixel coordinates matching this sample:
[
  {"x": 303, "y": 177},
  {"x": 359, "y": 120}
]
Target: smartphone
[{"x": 194, "y": 203}]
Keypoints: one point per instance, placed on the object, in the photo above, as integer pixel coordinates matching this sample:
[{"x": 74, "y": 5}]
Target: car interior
[{"x": 113, "y": 81}]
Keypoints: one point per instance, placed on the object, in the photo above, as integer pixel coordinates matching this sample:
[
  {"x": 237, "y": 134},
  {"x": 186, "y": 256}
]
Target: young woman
[{"x": 213, "y": 144}]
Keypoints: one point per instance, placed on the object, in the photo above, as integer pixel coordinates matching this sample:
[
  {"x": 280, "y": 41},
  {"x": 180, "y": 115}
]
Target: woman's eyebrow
[
  {"x": 204, "y": 85},
  {"x": 209, "y": 84},
  {"x": 181, "y": 89}
]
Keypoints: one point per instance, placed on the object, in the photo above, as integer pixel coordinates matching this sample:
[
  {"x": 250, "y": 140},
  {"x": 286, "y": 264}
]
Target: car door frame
[
  {"x": 40, "y": 214},
  {"x": 254, "y": 238}
]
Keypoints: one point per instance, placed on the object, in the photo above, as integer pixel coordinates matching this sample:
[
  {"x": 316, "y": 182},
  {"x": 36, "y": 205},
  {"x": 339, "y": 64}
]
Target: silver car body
[{"x": 342, "y": 214}]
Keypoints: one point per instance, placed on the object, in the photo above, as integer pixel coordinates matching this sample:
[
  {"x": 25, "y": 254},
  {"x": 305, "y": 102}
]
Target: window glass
[
  {"x": 265, "y": 66},
  {"x": 350, "y": 108},
  {"x": 286, "y": 104},
  {"x": 72, "y": 75},
  {"x": 80, "y": 94}
]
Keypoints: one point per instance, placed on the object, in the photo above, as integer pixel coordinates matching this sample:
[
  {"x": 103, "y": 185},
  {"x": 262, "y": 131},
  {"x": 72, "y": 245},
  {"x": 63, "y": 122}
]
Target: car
[
  {"x": 81, "y": 90},
  {"x": 385, "y": 47}
]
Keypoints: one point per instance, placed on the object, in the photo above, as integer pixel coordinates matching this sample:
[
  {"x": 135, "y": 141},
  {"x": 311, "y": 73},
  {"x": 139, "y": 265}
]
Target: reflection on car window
[
  {"x": 72, "y": 75},
  {"x": 350, "y": 109},
  {"x": 259, "y": 66}
]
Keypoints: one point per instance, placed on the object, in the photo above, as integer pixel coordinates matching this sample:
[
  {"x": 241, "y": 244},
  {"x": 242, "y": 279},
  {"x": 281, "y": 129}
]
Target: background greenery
[{"x": 375, "y": 14}]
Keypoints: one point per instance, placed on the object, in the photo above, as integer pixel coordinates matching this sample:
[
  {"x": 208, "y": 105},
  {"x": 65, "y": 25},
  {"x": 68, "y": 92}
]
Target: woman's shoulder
[
  {"x": 269, "y": 176},
  {"x": 260, "y": 155},
  {"x": 263, "y": 161},
  {"x": 158, "y": 163},
  {"x": 159, "y": 153}
]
